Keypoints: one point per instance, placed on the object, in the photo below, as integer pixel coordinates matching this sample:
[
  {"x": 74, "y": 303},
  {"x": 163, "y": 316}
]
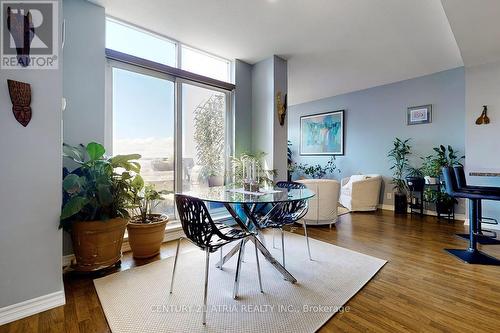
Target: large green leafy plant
[
  {"x": 209, "y": 133},
  {"x": 100, "y": 187},
  {"x": 398, "y": 155}
]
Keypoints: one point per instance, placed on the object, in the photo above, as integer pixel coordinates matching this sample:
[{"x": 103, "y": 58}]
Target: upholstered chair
[{"x": 360, "y": 192}]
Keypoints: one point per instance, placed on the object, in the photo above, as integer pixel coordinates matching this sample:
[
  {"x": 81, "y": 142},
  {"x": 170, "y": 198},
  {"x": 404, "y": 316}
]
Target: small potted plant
[
  {"x": 146, "y": 228},
  {"x": 399, "y": 157},
  {"x": 95, "y": 201},
  {"x": 444, "y": 202},
  {"x": 415, "y": 179},
  {"x": 431, "y": 169}
]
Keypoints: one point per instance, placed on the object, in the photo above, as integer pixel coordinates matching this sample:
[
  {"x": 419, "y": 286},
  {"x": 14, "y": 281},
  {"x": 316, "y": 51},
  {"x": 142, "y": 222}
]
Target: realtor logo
[{"x": 29, "y": 35}]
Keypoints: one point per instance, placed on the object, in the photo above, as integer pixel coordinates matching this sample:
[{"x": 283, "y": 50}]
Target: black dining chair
[
  {"x": 481, "y": 237},
  {"x": 287, "y": 213},
  {"x": 209, "y": 236}
]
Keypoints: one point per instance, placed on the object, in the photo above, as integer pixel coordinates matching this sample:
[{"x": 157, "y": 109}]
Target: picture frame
[
  {"x": 417, "y": 115},
  {"x": 322, "y": 134}
]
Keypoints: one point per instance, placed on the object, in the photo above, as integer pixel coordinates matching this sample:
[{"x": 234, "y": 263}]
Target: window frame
[{"x": 178, "y": 142}]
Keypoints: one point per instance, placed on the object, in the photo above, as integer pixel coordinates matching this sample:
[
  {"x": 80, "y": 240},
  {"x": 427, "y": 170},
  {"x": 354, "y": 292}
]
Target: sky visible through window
[{"x": 141, "y": 44}]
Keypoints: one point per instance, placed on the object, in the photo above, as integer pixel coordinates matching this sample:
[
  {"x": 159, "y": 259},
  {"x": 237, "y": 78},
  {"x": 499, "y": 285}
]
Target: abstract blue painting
[{"x": 322, "y": 134}]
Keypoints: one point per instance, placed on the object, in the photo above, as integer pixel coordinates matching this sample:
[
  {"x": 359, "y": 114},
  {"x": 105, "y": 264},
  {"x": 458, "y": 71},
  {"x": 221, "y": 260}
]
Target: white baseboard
[
  {"x": 32, "y": 306},
  {"x": 460, "y": 217}
]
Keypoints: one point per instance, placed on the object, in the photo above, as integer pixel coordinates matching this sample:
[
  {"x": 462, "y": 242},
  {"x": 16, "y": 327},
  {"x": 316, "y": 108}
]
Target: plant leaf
[
  {"x": 95, "y": 151},
  {"x": 72, "y": 183},
  {"x": 73, "y": 206},
  {"x": 104, "y": 193}
]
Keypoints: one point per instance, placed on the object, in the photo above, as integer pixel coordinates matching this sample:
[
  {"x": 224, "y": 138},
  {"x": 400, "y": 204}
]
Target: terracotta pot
[
  {"x": 215, "y": 181},
  {"x": 98, "y": 244},
  {"x": 145, "y": 238}
]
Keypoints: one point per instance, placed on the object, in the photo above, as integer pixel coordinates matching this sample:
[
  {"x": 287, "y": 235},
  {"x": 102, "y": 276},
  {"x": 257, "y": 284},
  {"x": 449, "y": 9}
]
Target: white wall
[
  {"x": 268, "y": 77},
  {"x": 30, "y": 190},
  {"x": 262, "y": 108},
  {"x": 482, "y": 143}
]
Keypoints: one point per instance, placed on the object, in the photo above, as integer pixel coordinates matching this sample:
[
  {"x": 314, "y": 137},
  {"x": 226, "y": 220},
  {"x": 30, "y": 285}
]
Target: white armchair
[
  {"x": 360, "y": 192},
  {"x": 323, "y": 207}
]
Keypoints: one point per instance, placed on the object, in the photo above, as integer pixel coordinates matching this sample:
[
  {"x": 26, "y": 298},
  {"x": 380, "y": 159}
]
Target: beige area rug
[{"x": 138, "y": 300}]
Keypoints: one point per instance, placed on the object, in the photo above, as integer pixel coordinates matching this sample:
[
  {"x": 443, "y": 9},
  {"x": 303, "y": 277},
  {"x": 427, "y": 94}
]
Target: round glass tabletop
[{"x": 230, "y": 194}]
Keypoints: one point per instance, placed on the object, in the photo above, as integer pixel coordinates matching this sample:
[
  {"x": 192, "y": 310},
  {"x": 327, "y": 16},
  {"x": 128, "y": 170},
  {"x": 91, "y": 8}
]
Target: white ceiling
[
  {"x": 332, "y": 46},
  {"x": 476, "y": 26}
]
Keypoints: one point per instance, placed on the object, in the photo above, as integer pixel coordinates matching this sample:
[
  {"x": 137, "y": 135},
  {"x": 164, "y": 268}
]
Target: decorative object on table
[
  {"x": 318, "y": 171},
  {"x": 146, "y": 228},
  {"x": 361, "y": 193},
  {"x": 398, "y": 155},
  {"x": 22, "y": 31},
  {"x": 419, "y": 115},
  {"x": 281, "y": 107},
  {"x": 483, "y": 119},
  {"x": 209, "y": 137},
  {"x": 20, "y": 95},
  {"x": 250, "y": 175},
  {"x": 96, "y": 196},
  {"x": 322, "y": 134},
  {"x": 264, "y": 177}
]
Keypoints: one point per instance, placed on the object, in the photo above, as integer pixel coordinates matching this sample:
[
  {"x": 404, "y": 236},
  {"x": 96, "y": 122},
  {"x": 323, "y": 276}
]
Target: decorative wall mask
[
  {"x": 22, "y": 31},
  {"x": 20, "y": 95},
  {"x": 281, "y": 108},
  {"x": 483, "y": 118}
]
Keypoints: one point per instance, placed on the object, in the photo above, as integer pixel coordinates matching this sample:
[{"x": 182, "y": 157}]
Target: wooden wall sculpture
[{"x": 20, "y": 95}]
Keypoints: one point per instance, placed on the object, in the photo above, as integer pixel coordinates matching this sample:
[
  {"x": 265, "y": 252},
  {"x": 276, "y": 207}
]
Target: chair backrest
[
  {"x": 294, "y": 210},
  {"x": 450, "y": 181},
  {"x": 290, "y": 185},
  {"x": 460, "y": 177},
  {"x": 323, "y": 206},
  {"x": 195, "y": 219}
]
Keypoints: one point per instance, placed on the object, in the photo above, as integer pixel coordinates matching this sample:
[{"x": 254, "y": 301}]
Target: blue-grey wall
[
  {"x": 83, "y": 77},
  {"x": 375, "y": 116}
]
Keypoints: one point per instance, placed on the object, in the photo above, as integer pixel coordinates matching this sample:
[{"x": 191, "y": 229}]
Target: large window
[
  {"x": 140, "y": 43},
  {"x": 143, "y": 123},
  {"x": 179, "y": 127}
]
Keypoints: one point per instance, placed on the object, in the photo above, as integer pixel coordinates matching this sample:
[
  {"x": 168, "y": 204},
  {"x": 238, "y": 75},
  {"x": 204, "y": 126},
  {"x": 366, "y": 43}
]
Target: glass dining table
[{"x": 249, "y": 205}]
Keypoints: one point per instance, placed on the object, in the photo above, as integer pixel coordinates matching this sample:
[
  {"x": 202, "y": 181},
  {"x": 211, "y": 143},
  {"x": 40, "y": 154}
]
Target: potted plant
[
  {"x": 444, "y": 202},
  {"x": 145, "y": 229},
  {"x": 318, "y": 171},
  {"x": 399, "y": 157},
  {"x": 431, "y": 169},
  {"x": 415, "y": 179},
  {"x": 209, "y": 137},
  {"x": 96, "y": 196}
]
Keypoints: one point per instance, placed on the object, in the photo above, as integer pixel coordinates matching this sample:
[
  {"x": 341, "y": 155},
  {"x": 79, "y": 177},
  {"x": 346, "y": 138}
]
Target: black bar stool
[
  {"x": 462, "y": 185},
  {"x": 471, "y": 255}
]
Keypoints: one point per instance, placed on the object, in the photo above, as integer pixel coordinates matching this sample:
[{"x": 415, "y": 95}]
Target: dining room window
[{"x": 181, "y": 128}]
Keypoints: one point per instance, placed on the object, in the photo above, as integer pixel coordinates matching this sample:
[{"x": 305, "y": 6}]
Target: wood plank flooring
[{"x": 420, "y": 289}]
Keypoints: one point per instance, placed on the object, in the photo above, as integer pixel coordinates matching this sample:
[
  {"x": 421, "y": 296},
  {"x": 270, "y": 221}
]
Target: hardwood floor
[{"x": 420, "y": 289}]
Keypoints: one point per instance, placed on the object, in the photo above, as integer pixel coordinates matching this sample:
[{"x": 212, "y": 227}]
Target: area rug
[{"x": 138, "y": 300}]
